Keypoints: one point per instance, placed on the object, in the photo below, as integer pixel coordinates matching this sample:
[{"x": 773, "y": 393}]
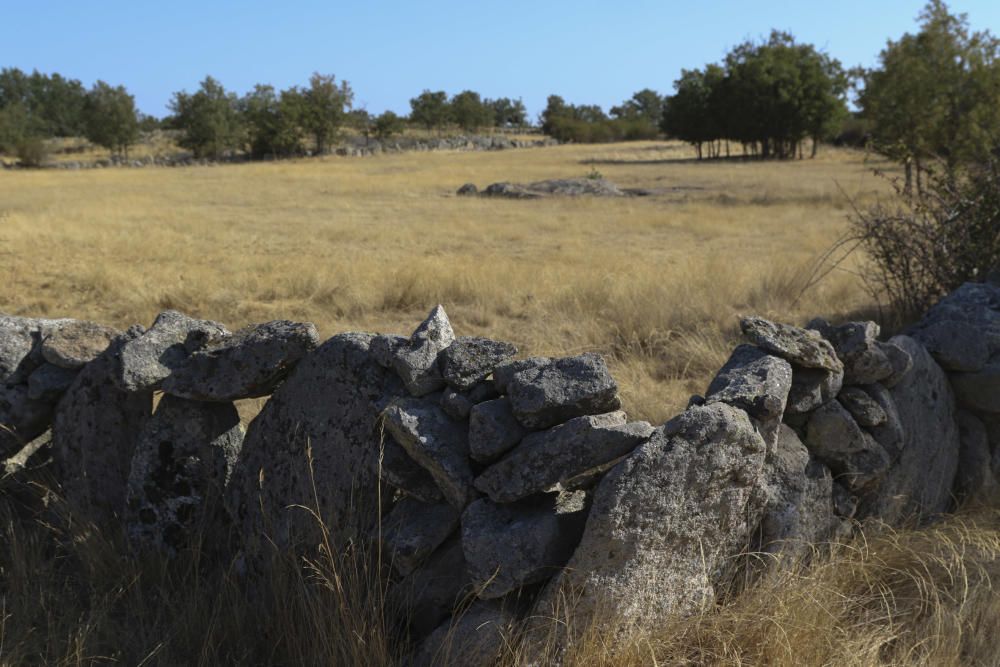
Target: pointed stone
[{"x": 416, "y": 362}]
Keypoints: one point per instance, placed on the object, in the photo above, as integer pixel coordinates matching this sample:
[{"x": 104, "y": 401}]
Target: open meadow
[{"x": 655, "y": 283}]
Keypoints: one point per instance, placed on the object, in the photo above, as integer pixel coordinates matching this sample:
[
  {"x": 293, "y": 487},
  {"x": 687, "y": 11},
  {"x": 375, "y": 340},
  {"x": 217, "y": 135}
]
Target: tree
[
  {"x": 110, "y": 118},
  {"x": 325, "y": 105},
  {"x": 387, "y": 124},
  {"x": 210, "y": 119},
  {"x": 645, "y": 105},
  {"x": 687, "y": 113},
  {"x": 273, "y": 121},
  {"x": 430, "y": 109},
  {"x": 469, "y": 111},
  {"x": 508, "y": 113},
  {"x": 935, "y": 94}
]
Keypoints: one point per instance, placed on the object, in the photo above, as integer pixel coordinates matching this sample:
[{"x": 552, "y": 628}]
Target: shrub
[
  {"x": 929, "y": 243},
  {"x": 32, "y": 151}
]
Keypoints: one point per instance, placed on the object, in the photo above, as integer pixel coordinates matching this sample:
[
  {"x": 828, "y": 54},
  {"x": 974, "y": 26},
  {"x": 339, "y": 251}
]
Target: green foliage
[
  {"x": 430, "y": 109},
  {"x": 273, "y": 121},
  {"x": 508, "y": 113},
  {"x": 54, "y": 104},
  {"x": 935, "y": 94},
  {"x": 210, "y": 119},
  {"x": 387, "y": 124},
  {"x": 470, "y": 112},
  {"x": 588, "y": 124},
  {"x": 645, "y": 108},
  {"x": 110, "y": 118},
  {"x": 767, "y": 96},
  {"x": 31, "y": 151},
  {"x": 324, "y": 108},
  {"x": 15, "y": 126}
]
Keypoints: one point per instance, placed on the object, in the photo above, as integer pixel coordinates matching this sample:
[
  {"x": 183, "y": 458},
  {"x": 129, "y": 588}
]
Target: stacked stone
[
  {"x": 493, "y": 460},
  {"x": 962, "y": 333}
]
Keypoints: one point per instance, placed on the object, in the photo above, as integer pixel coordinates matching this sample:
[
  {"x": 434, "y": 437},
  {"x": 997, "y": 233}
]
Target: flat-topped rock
[
  {"x": 76, "y": 343},
  {"x": 546, "y": 395},
  {"x": 802, "y": 347},
  {"x": 469, "y": 360},
  {"x": 563, "y": 452},
  {"x": 147, "y": 359},
  {"x": 250, "y": 363},
  {"x": 436, "y": 442}
]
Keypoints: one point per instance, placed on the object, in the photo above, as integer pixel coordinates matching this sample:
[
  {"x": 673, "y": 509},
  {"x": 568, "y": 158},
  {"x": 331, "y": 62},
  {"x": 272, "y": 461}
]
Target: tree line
[{"x": 933, "y": 95}]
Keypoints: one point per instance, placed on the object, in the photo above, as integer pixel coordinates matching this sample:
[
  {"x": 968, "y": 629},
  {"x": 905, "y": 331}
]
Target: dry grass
[{"x": 371, "y": 244}]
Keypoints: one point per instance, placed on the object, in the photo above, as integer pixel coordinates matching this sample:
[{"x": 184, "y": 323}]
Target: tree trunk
[{"x": 814, "y": 147}]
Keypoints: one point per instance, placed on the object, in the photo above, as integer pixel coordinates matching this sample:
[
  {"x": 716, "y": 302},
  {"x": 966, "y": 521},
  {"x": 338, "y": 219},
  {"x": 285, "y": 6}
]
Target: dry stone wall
[{"x": 498, "y": 488}]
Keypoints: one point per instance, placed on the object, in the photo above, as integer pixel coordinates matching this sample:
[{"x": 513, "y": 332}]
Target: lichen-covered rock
[
  {"x": 543, "y": 396},
  {"x": 248, "y": 364},
  {"x": 509, "y": 546},
  {"x": 921, "y": 478},
  {"x": 22, "y": 418},
  {"x": 482, "y": 635},
  {"x": 48, "y": 382},
  {"x": 865, "y": 409},
  {"x": 854, "y": 456},
  {"x": 413, "y": 530},
  {"x": 416, "y": 362},
  {"x": 74, "y": 344},
  {"x": 436, "y": 442},
  {"x": 399, "y": 470},
  {"x": 955, "y": 345},
  {"x": 757, "y": 383},
  {"x": 146, "y": 360},
  {"x": 974, "y": 474},
  {"x": 493, "y": 430},
  {"x": 546, "y": 458},
  {"x": 16, "y": 341},
  {"x": 315, "y": 444},
  {"x": 182, "y": 462},
  {"x": 384, "y": 346},
  {"x": 665, "y": 524},
  {"x": 469, "y": 360},
  {"x": 94, "y": 433},
  {"x": 802, "y": 347},
  {"x": 503, "y": 373}
]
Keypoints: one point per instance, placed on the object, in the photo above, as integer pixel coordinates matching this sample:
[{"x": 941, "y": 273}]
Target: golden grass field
[{"x": 655, "y": 283}]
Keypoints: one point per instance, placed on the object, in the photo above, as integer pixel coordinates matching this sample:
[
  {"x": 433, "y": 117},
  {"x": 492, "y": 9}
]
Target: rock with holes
[
  {"x": 147, "y": 359},
  {"x": 413, "y": 530},
  {"x": 469, "y": 360},
  {"x": 416, "y": 362},
  {"x": 94, "y": 433},
  {"x": 436, "y": 442},
  {"x": 182, "y": 462},
  {"x": 563, "y": 452},
  {"x": 562, "y": 389},
  {"x": 493, "y": 430},
  {"x": 666, "y": 523},
  {"x": 76, "y": 343},
  {"x": 248, "y": 364},
  {"x": 316, "y": 444},
  {"x": 509, "y": 546}
]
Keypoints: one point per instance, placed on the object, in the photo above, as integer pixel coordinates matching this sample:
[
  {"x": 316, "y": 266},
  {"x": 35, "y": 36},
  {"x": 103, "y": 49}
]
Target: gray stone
[
  {"x": 853, "y": 455},
  {"x": 980, "y": 390},
  {"x": 436, "y": 442},
  {"x": 562, "y": 389},
  {"x": 857, "y": 347},
  {"x": 146, "y": 360},
  {"x": 459, "y": 404},
  {"x": 845, "y": 503},
  {"x": 899, "y": 359},
  {"x": 666, "y": 524},
  {"x": 561, "y": 453},
  {"x": 800, "y": 508},
  {"x": 470, "y": 360},
  {"x": 977, "y": 305},
  {"x": 802, "y": 347},
  {"x": 182, "y": 462},
  {"x": 75, "y": 344},
  {"x": 955, "y": 345},
  {"x": 468, "y": 190},
  {"x": 248, "y": 364},
  {"x": 384, "y": 346},
  {"x": 811, "y": 388},
  {"x": 921, "y": 479},
  {"x": 493, "y": 430},
  {"x": 16, "y": 341},
  {"x": 434, "y": 590},
  {"x": 754, "y": 381},
  {"x": 94, "y": 433},
  {"x": 315, "y": 444},
  {"x": 413, "y": 530},
  {"x": 416, "y": 362},
  {"x": 510, "y": 546},
  {"x": 974, "y": 474},
  {"x": 482, "y": 635},
  {"x": 48, "y": 382},
  {"x": 865, "y": 409},
  {"x": 22, "y": 419},
  {"x": 889, "y": 434},
  {"x": 398, "y": 469},
  {"x": 503, "y": 373}
]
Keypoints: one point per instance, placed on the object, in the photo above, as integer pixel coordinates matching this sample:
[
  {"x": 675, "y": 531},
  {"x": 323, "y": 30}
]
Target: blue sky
[{"x": 389, "y": 50}]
